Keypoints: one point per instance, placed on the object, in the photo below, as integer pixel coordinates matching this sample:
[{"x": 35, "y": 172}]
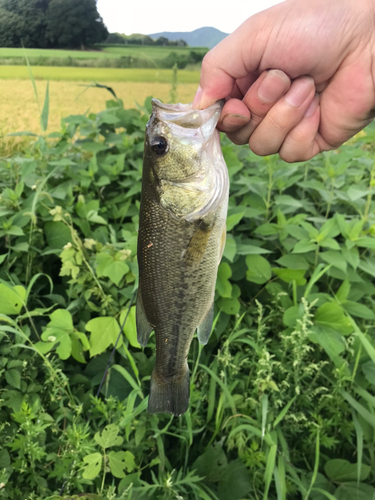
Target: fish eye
[{"x": 159, "y": 145}]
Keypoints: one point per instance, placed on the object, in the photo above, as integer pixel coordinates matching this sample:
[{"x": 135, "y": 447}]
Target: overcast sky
[{"x": 153, "y": 16}]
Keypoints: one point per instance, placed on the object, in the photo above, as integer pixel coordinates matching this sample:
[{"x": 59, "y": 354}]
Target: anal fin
[
  {"x": 144, "y": 328},
  {"x": 204, "y": 329}
]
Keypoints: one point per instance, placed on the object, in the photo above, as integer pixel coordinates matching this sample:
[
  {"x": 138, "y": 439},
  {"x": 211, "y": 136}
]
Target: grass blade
[
  {"x": 316, "y": 464},
  {"x": 359, "y": 433},
  {"x": 45, "y": 112}
]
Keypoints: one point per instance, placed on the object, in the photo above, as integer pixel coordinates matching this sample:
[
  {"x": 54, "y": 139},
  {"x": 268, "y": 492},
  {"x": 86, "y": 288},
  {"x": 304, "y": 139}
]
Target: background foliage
[
  {"x": 282, "y": 402},
  {"x": 37, "y": 23}
]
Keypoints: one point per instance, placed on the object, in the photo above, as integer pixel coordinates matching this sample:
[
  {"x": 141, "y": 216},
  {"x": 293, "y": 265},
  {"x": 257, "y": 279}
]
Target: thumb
[{"x": 225, "y": 64}]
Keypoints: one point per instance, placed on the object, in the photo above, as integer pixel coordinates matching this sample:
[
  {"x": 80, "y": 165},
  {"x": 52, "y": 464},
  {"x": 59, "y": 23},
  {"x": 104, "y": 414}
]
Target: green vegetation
[
  {"x": 50, "y": 23},
  {"x": 109, "y": 57},
  {"x": 10, "y": 52},
  {"x": 282, "y": 404},
  {"x": 98, "y": 74}
]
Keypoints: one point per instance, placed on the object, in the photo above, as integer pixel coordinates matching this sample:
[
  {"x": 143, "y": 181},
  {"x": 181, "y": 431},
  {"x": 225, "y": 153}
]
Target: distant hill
[{"x": 202, "y": 37}]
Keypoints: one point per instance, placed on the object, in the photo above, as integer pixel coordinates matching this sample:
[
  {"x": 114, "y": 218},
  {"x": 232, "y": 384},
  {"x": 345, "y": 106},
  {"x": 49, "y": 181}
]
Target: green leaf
[
  {"x": 223, "y": 285},
  {"x": 119, "y": 461},
  {"x": 293, "y": 262},
  {"x": 358, "y": 310},
  {"x": 57, "y": 234},
  {"x": 304, "y": 246},
  {"x": 289, "y": 275},
  {"x": 13, "y": 377},
  {"x": 339, "y": 471},
  {"x": 104, "y": 332},
  {"x": 229, "y": 306},
  {"x": 334, "y": 258},
  {"x": 343, "y": 291},
  {"x": 331, "y": 341},
  {"x": 11, "y": 299},
  {"x": 61, "y": 319},
  {"x": 333, "y": 316},
  {"x": 109, "y": 436},
  {"x": 230, "y": 248},
  {"x": 258, "y": 269},
  {"x": 368, "y": 370},
  {"x": 94, "y": 464},
  {"x": 130, "y": 329},
  {"x": 354, "y": 491},
  {"x": 234, "y": 218},
  {"x": 108, "y": 266}
]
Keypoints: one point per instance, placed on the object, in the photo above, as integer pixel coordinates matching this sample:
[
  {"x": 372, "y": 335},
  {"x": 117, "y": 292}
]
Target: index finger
[{"x": 223, "y": 65}]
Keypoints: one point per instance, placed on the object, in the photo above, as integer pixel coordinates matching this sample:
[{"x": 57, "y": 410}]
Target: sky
[{"x": 154, "y": 16}]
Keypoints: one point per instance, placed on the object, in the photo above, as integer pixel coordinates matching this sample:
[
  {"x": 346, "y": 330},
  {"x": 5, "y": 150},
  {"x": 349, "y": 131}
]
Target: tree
[
  {"x": 23, "y": 22},
  {"x": 115, "y": 38},
  {"x": 11, "y": 25},
  {"x": 74, "y": 23}
]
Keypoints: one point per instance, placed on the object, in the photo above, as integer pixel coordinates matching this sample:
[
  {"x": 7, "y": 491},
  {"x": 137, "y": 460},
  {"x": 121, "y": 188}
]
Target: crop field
[
  {"x": 104, "y": 52},
  {"x": 19, "y": 110},
  {"x": 97, "y": 74}
]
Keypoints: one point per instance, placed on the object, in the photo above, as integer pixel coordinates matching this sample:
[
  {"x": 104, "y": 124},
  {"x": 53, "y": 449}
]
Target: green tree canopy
[
  {"x": 50, "y": 23},
  {"x": 74, "y": 24}
]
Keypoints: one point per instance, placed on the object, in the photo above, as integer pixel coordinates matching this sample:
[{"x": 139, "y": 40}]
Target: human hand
[{"x": 298, "y": 77}]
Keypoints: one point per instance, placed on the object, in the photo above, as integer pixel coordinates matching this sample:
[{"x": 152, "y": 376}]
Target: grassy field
[
  {"x": 97, "y": 74},
  {"x": 105, "y": 52},
  {"x": 19, "y": 110}
]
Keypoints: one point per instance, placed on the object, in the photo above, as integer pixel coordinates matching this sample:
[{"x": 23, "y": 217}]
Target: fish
[{"x": 181, "y": 239}]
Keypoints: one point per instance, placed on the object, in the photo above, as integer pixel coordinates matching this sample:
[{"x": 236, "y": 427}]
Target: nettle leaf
[
  {"x": 333, "y": 316},
  {"x": 104, "y": 332},
  {"x": 110, "y": 267},
  {"x": 119, "y": 461},
  {"x": 258, "y": 269},
  {"x": 130, "y": 329},
  {"x": 289, "y": 275},
  {"x": 342, "y": 471},
  {"x": 94, "y": 464},
  {"x": 11, "y": 299},
  {"x": 109, "y": 436},
  {"x": 223, "y": 285}
]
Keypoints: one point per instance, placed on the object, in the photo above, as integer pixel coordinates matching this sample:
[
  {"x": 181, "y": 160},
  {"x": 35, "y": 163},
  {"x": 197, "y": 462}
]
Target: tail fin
[{"x": 170, "y": 395}]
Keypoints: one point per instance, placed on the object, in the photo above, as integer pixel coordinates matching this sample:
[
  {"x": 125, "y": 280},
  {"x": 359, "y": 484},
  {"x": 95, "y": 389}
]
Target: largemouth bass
[{"x": 181, "y": 239}]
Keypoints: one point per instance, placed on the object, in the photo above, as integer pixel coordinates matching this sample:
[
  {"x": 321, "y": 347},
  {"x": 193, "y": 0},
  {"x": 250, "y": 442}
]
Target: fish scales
[{"x": 180, "y": 242}]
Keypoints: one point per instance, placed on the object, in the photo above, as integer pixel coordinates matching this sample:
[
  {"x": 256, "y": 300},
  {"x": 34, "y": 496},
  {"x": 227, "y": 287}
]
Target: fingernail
[
  {"x": 234, "y": 121},
  {"x": 273, "y": 86},
  {"x": 300, "y": 91},
  {"x": 197, "y": 98},
  {"x": 313, "y": 105}
]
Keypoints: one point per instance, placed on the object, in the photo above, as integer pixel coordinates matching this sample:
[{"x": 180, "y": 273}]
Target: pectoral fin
[
  {"x": 144, "y": 328},
  {"x": 204, "y": 329}
]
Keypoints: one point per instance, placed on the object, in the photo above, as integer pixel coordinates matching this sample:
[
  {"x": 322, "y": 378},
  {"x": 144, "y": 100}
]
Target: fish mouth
[{"x": 185, "y": 116}]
